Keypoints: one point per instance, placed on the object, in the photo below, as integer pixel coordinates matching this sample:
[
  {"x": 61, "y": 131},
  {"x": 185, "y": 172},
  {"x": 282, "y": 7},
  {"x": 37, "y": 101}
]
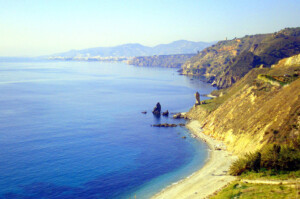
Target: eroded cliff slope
[
  {"x": 169, "y": 61},
  {"x": 256, "y": 110},
  {"x": 228, "y": 61}
]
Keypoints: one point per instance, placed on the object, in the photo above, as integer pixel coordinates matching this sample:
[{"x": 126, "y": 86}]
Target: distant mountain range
[{"x": 133, "y": 50}]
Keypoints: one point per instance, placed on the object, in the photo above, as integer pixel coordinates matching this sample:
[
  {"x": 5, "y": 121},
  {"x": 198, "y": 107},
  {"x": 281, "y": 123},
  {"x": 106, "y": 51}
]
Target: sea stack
[
  {"x": 157, "y": 109},
  {"x": 198, "y": 102}
]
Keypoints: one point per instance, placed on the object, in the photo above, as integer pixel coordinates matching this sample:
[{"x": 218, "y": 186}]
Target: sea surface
[{"x": 75, "y": 130}]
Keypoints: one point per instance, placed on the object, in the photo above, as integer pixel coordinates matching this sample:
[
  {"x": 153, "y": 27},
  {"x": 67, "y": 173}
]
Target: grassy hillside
[
  {"x": 239, "y": 189},
  {"x": 254, "y": 112},
  {"x": 228, "y": 61}
]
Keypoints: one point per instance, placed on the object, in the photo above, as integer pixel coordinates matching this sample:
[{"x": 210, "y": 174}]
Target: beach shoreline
[{"x": 210, "y": 178}]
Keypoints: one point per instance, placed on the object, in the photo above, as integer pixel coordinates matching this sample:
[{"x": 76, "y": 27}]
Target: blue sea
[{"x": 75, "y": 130}]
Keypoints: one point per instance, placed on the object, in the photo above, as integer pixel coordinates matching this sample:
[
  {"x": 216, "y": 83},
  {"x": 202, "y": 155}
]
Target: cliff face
[
  {"x": 254, "y": 112},
  {"x": 170, "y": 61},
  {"x": 228, "y": 61}
]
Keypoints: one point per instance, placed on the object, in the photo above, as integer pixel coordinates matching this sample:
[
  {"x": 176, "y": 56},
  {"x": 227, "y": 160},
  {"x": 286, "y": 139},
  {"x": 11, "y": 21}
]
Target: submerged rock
[
  {"x": 144, "y": 112},
  {"x": 166, "y": 113},
  {"x": 157, "y": 109}
]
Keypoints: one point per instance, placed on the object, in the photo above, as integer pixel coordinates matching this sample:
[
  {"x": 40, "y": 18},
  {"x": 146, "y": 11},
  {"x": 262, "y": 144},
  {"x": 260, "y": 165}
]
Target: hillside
[
  {"x": 261, "y": 108},
  {"x": 133, "y": 50},
  {"x": 169, "y": 61},
  {"x": 228, "y": 61}
]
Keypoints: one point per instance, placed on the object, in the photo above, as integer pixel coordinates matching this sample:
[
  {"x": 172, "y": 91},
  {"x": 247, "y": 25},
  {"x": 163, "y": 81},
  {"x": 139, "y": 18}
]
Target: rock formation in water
[
  {"x": 165, "y": 125},
  {"x": 166, "y": 113},
  {"x": 157, "y": 109}
]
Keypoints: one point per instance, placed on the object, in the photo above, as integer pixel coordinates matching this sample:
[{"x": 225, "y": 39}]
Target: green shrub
[
  {"x": 243, "y": 164},
  {"x": 256, "y": 162},
  {"x": 274, "y": 157},
  {"x": 284, "y": 158}
]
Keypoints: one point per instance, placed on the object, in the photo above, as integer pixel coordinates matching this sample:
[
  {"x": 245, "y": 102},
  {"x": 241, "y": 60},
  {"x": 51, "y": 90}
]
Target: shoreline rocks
[
  {"x": 167, "y": 125},
  {"x": 164, "y": 125},
  {"x": 179, "y": 116}
]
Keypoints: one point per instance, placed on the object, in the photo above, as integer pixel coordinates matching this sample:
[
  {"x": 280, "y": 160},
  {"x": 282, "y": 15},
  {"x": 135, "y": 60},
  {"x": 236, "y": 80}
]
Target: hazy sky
[{"x": 40, "y": 27}]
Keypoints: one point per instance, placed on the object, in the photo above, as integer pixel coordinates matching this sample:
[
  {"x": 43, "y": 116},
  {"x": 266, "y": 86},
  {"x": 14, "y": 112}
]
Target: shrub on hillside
[
  {"x": 244, "y": 164},
  {"x": 281, "y": 158},
  {"x": 273, "y": 157}
]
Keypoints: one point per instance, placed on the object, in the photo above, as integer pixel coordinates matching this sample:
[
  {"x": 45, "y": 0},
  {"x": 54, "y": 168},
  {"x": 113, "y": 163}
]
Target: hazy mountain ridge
[
  {"x": 228, "y": 61},
  {"x": 133, "y": 50}
]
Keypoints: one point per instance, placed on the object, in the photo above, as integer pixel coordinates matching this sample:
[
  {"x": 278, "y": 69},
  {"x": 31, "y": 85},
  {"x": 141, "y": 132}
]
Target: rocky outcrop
[
  {"x": 226, "y": 62},
  {"x": 167, "y": 125},
  {"x": 168, "y": 61},
  {"x": 180, "y": 115},
  {"x": 166, "y": 113},
  {"x": 197, "y": 96},
  {"x": 157, "y": 109},
  {"x": 164, "y": 125},
  {"x": 288, "y": 62}
]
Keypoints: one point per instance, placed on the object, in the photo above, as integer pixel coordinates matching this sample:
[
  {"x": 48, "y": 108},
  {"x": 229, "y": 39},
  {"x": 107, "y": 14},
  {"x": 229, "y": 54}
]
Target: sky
[{"x": 42, "y": 27}]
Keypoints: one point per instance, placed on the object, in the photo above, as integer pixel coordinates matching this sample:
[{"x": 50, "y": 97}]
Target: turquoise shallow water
[{"x": 75, "y": 130}]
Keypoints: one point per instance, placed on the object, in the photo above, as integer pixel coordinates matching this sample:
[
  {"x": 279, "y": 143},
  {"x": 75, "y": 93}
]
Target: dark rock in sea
[
  {"x": 183, "y": 137},
  {"x": 166, "y": 113},
  {"x": 144, "y": 112},
  {"x": 157, "y": 109},
  {"x": 181, "y": 124},
  {"x": 164, "y": 125}
]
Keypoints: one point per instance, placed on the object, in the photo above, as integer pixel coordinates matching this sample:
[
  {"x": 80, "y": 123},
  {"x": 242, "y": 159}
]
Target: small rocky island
[
  {"x": 166, "y": 113},
  {"x": 157, "y": 109}
]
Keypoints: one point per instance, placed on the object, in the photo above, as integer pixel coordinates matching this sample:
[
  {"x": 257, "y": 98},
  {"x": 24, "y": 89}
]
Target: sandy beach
[{"x": 212, "y": 177}]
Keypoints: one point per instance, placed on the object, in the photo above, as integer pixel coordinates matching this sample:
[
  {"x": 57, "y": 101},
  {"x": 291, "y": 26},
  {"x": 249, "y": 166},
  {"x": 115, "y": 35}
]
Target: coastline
[{"x": 210, "y": 178}]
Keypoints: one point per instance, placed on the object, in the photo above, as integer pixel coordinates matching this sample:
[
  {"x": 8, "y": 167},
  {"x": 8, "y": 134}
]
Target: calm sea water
[{"x": 75, "y": 130}]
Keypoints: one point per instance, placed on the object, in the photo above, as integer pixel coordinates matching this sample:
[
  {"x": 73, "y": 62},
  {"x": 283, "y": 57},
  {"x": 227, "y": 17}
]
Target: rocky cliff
[
  {"x": 169, "y": 61},
  {"x": 228, "y": 61},
  {"x": 254, "y": 112}
]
